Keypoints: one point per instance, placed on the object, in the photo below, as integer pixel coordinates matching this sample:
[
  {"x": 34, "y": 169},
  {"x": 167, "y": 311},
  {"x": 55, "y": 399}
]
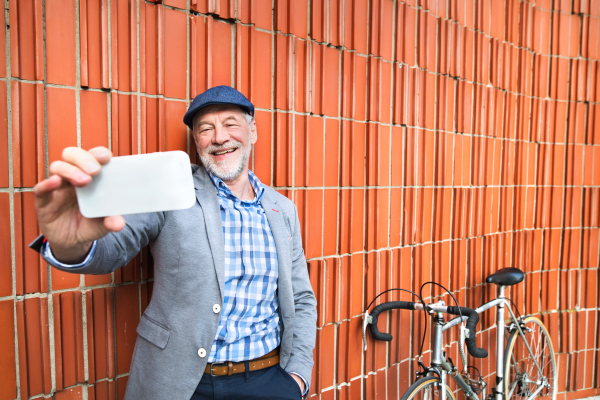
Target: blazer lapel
[
  {"x": 279, "y": 231},
  {"x": 206, "y": 194}
]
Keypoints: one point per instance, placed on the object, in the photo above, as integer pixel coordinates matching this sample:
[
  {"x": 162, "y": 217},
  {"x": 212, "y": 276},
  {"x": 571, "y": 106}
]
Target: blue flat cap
[{"x": 217, "y": 95}]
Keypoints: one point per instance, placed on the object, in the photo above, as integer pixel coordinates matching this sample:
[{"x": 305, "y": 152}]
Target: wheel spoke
[{"x": 521, "y": 370}]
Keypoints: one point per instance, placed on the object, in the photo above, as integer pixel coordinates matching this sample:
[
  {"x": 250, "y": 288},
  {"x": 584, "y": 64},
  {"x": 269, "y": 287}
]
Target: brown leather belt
[{"x": 229, "y": 368}]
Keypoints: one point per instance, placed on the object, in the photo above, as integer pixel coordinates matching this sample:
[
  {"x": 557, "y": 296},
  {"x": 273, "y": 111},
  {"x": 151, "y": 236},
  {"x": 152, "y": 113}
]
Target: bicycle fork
[{"x": 439, "y": 362}]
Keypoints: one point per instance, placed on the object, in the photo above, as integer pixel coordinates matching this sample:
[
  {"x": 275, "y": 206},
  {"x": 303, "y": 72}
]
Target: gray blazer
[{"x": 187, "y": 246}]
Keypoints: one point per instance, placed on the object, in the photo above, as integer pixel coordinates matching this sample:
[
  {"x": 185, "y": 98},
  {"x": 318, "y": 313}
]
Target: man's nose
[{"x": 221, "y": 135}]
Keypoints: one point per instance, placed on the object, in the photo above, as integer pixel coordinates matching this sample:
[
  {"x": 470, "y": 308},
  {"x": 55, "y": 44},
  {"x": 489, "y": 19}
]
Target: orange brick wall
[{"x": 420, "y": 140}]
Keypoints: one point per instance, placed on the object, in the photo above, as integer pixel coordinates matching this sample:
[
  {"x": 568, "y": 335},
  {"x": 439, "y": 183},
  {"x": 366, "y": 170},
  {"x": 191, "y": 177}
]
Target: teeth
[{"x": 218, "y": 153}]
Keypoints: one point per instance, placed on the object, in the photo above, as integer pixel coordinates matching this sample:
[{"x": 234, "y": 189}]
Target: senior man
[{"x": 232, "y": 313}]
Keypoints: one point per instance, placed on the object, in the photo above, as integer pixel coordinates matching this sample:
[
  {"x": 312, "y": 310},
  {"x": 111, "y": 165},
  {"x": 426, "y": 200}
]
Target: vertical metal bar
[
  {"x": 443, "y": 388},
  {"x": 500, "y": 346},
  {"x": 436, "y": 359}
]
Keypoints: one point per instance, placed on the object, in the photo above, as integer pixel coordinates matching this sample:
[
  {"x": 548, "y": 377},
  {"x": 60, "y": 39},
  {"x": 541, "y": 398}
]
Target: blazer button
[
  {"x": 216, "y": 308},
  {"x": 202, "y": 353}
]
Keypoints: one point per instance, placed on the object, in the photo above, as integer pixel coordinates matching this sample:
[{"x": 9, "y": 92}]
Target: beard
[{"x": 230, "y": 169}]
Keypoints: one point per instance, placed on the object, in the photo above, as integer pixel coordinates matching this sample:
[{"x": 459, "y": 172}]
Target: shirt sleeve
[
  {"x": 47, "y": 252},
  {"x": 303, "y": 380}
]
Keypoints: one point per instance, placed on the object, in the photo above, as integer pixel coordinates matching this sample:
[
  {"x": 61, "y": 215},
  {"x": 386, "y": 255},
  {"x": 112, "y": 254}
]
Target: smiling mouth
[{"x": 221, "y": 152}]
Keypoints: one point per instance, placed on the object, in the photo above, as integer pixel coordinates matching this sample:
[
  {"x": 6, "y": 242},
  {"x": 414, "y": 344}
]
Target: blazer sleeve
[
  {"x": 116, "y": 249},
  {"x": 305, "y": 304}
]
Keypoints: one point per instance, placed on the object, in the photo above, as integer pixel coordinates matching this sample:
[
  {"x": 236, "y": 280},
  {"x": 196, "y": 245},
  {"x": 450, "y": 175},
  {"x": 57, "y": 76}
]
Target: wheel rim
[
  {"x": 522, "y": 376},
  {"x": 431, "y": 391}
]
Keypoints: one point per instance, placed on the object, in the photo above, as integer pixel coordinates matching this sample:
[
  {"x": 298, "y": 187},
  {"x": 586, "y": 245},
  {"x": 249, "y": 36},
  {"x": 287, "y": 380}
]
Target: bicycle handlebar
[{"x": 473, "y": 319}]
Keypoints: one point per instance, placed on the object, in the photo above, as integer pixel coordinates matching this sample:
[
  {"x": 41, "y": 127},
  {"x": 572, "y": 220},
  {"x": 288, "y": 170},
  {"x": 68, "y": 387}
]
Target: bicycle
[{"x": 525, "y": 367}]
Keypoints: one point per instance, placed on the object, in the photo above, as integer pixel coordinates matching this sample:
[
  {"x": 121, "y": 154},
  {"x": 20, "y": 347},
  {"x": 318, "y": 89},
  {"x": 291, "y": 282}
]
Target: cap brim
[{"x": 188, "y": 118}]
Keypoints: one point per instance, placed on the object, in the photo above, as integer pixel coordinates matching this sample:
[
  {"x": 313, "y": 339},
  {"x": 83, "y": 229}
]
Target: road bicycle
[{"x": 525, "y": 365}]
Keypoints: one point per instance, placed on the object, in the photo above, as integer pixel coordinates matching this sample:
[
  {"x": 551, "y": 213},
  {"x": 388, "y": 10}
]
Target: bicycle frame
[{"x": 444, "y": 368}]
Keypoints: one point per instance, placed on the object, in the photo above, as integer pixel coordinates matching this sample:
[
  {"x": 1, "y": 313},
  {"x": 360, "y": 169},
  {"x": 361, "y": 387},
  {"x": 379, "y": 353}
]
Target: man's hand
[
  {"x": 299, "y": 381},
  {"x": 69, "y": 233}
]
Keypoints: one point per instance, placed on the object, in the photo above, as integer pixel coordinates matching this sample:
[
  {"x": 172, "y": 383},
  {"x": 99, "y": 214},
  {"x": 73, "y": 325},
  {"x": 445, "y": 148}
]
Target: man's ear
[{"x": 253, "y": 132}]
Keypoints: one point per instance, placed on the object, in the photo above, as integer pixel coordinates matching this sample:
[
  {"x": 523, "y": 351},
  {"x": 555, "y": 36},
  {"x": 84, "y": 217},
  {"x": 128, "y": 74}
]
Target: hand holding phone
[{"x": 68, "y": 231}]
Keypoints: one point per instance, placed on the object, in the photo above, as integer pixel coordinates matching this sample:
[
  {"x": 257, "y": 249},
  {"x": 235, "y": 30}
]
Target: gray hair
[{"x": 249, "y": 118}]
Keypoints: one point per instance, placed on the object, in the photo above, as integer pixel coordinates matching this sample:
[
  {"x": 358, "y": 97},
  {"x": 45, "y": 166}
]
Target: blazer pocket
[{"x": 152, "y": 332}]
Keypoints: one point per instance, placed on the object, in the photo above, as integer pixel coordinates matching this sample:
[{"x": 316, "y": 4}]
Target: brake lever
[{"x": 367, "y": 319}]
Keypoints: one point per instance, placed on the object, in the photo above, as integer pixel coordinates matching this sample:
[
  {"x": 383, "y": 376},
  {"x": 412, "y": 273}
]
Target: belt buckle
[{"x": 218, "y": 364}]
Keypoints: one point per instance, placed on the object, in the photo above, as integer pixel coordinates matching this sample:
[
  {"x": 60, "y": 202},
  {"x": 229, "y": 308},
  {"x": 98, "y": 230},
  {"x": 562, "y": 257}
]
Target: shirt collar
[{"x": 224, "y": 190}]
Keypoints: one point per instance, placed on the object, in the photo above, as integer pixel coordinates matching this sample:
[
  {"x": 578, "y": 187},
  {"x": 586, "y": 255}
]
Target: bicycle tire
[
  {"x": 519, "y": 368},
  {"x": 425, "y": 389}
]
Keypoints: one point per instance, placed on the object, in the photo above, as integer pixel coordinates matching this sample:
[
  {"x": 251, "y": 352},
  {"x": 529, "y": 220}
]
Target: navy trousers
[{"x": 269, "y": 383}]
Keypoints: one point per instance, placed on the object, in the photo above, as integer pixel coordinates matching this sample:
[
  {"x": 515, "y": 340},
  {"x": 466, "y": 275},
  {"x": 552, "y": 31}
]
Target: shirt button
[
  {"x": 202, "y": 353},
  {"x": 216, "y": 308}
]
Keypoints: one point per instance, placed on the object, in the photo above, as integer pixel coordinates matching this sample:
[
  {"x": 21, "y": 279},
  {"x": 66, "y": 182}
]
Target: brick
[
  {"x": 4, "y": 136},
  {"x": 124, "y": 124},
  {"x": 93, "y": 42},
  {"x": 175, "y": 131},
  {"x": 68, "y": 339},
  {"x": 210, "y": 41},
  {"x": 262, "y": 147},
  {"x": 104, "y": 390},
  {"x": 5, "y": 256},
  {"x": 325, "y": 82},
  {"x": 351, "y": 219},
  {"x": 310, "y": 214},
  {"x": 8, "y": 376},
  {"x": 94, "y": 119},
  {"x": 380, "y": 75},
  {"x": 354, "y": 85},
  {"x": 31, "y": 273},
  {"x": 28, "y": 133},
  {"x": 153, "y": 124},
  {"x": 260, "y": 13},
  {"x": 284, "y": 49},
  {"x": 121, "y": 385},
  {"x": 405, "y": 34},
  {"x": 353, "y": 153},
  {"x": 74, "y": 393},
  {"x": 355, "y": 25},
  {"x": 124, "y": 45},
  {"x": 26, "y": 39},
  {"x": 60, "y": 42},
  {"x": 302, "y": 69},
  {"x": 381, "y": 14},
  {"x": 378, "y": 155},
  {"x": 175, "y": 53},
  {"x": 152, "y": 70},
  {"x": 309, "y": 151},
  {"x": 377, "y": 219},
  {"x": 127, "y": 316},
  {"x": 62, "y": 128},
  {"x": 100, "y": 334},
  {"x": 290, "y": 16},
  {"x": 253, "y": 65},
  {"x": 34, "y": 347}
]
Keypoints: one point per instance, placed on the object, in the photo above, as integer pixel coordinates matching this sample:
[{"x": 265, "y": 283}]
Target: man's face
[{"x": 224, "y": 140}]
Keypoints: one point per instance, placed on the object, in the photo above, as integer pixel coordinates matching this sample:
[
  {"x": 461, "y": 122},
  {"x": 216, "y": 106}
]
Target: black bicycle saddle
[{"x": 506, "y": 277}]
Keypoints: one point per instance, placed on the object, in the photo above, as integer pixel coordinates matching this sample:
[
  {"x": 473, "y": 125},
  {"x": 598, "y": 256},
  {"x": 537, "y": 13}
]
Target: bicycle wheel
[
  {"x": 521, "y": 375},
  {"x": 427, "y": 388}
]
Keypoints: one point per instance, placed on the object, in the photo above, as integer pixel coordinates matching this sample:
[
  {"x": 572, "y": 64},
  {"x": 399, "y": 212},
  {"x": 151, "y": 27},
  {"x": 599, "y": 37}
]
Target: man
[{"x": 232, "y": 313}]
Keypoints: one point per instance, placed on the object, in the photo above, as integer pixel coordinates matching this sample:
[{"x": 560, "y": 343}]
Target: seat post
[{"x": 500, "y": 345}]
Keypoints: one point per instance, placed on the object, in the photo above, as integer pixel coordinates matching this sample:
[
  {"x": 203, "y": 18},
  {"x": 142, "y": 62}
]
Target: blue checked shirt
[{"x": 249, "y": 326}]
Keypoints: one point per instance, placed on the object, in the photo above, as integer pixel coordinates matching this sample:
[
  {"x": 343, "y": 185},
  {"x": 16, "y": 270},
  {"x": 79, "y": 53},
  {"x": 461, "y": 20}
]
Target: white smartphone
[{"x": 139, "y": 184}]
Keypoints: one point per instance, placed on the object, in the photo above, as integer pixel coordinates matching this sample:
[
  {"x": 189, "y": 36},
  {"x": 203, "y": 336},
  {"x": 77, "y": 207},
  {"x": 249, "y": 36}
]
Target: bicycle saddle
[{"x": 506, "y": 277}]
